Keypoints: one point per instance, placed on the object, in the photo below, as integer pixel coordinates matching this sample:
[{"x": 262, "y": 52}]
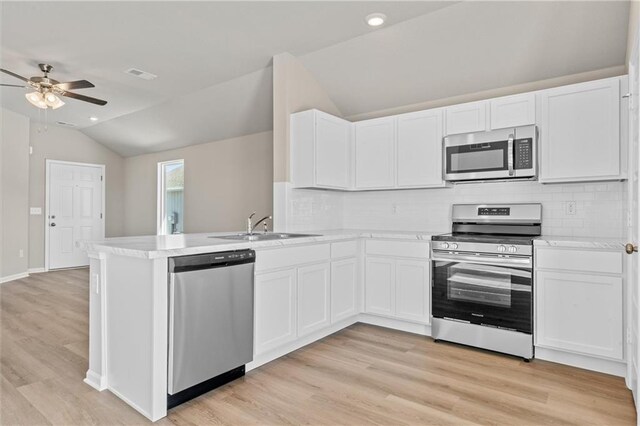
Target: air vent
[
  {"x": 141, "y": 74},
  {"x": 64, "y": 123}
]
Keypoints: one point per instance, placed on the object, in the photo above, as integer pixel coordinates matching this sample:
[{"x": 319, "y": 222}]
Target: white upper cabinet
[
  {"x": 419, "y": 149},
  {"x": 375, "y": 142},
  {"x": 580, "y": 132},
  {"x": 513, "y": 111},
  {"x": 321, "y": 150},
  {"x": 466, "y": 118}
]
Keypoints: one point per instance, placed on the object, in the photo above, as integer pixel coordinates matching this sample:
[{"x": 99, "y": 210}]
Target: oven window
[
  {"x": 491, "y": 159},
  {"x": 479, "y": 284}
]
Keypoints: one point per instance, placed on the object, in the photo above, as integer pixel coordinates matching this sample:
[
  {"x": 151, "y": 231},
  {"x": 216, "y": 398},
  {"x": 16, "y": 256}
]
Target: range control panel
[
  {"x": 494, "y": 211},
  {"x": 523, "y": 152}
]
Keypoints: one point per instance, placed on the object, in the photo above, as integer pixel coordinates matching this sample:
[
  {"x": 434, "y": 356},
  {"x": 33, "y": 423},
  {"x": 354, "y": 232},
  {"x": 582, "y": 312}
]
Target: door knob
[
  {"x": 630, "y": 248},
  {"x": 53, "y": 224}
]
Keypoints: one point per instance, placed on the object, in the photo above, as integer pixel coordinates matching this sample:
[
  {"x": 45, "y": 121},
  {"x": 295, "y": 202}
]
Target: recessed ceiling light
[
  {"x": 376, "y": 19},
  {"x": 93, "y": 118}
]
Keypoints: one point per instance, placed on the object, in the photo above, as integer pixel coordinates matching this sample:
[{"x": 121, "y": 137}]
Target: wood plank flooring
[{"x": 361, "y": 375}]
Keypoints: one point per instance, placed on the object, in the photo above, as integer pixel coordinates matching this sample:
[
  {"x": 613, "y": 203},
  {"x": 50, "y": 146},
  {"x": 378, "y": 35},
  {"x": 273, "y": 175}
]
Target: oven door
[{"x": 487, "y": 290}]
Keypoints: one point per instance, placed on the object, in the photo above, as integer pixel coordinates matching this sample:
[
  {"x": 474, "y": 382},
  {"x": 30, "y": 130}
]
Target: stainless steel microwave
[{"x": 498, "y": 154}]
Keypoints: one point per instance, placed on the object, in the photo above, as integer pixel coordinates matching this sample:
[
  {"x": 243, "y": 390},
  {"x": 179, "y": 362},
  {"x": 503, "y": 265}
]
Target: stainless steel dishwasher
[{"x": 210, "y": 321}]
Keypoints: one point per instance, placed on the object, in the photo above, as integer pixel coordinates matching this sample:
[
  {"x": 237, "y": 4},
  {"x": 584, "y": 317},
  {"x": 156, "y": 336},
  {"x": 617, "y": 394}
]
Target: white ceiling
[{"x": 213, "y": 59}]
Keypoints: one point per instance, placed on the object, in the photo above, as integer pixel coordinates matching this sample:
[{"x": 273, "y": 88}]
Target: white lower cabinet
[
  {"x": 580, "y": 313},
  {"x": 398, "y": 288},
  {"x": 275, "y": 309},
  {"x": 344, "y": 287},
  {"x": 314, "y": 295},
  {"x": 412, "y": 290}
]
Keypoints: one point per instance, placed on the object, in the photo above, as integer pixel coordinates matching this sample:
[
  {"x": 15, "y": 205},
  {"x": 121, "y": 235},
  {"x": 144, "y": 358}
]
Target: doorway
[{"x": 74, "y": 211}]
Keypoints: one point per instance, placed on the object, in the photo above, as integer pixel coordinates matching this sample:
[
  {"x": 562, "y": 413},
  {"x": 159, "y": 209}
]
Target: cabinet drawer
[
  {"x": 344, "y": 249},
  {"x": 398, "y": 248},
  {"x": 291, "y": 256},
  {"x": 606, "y": 262}
]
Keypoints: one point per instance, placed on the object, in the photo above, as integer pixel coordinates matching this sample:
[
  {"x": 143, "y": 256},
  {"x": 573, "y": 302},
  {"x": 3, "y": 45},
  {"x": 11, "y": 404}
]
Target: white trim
[
  {"x": 96, "y": 381},
  {"x": 616, "y": 368},
  {"x": 13, "y": 277},
  {"x": 395, "y": 324},
  {"x": 48, "y": 164},
  {"x": 36, "y": 270},
  {"x": 160, "y": 189}
]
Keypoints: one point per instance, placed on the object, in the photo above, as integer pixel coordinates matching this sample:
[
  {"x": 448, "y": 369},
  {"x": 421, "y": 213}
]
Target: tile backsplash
[{"x": 599, "y": 207}]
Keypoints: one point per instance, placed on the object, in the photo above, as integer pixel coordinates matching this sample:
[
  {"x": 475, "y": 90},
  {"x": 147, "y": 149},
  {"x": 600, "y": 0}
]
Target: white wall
[
  {"x": 14, "y": 190},
  {"x": 224, "y": 182},
  {"x": 58, "y": 143}
]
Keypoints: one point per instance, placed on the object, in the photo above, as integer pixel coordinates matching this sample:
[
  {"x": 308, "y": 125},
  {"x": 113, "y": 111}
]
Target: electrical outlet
[
  {"x": 571, "y": 208},
  {"x": 21, "y": 253},
  {"x": 629, "y": 338},
  {"x": 394, "y": 208},
  {"x": 35, "y": 211}
]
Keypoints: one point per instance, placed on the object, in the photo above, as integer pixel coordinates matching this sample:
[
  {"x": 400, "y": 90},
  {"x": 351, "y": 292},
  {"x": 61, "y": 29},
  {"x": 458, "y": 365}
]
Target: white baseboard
[
  {"x": 13, "y": 277},
  {"x": 615, "y": 368},
  {"x": 409, "y": 327},
  {"x": 95, "y": 380},
  {"x": 36, "y": 270}
]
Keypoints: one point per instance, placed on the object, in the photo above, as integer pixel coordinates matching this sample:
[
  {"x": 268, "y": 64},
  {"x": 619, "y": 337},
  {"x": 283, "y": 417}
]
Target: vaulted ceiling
[{"x": 213, "y": 59}]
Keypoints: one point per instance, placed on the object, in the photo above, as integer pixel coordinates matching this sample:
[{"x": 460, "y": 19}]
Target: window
[{"x": 171, "y": 197}]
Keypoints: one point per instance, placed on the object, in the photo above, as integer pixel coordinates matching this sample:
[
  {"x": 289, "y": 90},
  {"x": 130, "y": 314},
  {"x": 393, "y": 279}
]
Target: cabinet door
[
  {"x": 344, "y": 280},
  {"x": 512, "y": 111},
  {"x": 412, "y": 290},
  {"x": 419, "y": 149},
  {"x": 580, "y": 132},
  {"x": 275, "y": 309},
  {"x": 466, "y": 118},
  {"x": 375, "y": 146},
  {"x": 579, "y": 313},
  {"x": 333, "y": 151},
  {"x": 380, "y": 286},
  {"x": 313, "y": 298}
]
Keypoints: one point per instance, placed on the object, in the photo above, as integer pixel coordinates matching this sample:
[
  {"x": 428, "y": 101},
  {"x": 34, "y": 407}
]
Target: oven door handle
[
  {"x": 483, "y": 260},
  {"x": 510, "y": 154}
]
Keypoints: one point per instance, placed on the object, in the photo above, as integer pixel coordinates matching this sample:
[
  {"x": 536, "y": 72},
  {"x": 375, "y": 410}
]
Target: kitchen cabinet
[
  {"x": 419, "y": 149},
  {"x": 344, "y": 287},
  {"x": 313, "y": 298},
  {"x": 412, "y": 290},
  {"x": 579, "y": 301},
  {"x": 512, "y": 111},
  {"x": 466, "y": 118},
  {"x": 580, "y": 313},
  {"x": 375, "y": 142},
  {"x": 397, "y": 280},
  {"x": 321, "y": 150},
  {"x": 275, "y": 309},
  {"x": 580, "y": 132}
]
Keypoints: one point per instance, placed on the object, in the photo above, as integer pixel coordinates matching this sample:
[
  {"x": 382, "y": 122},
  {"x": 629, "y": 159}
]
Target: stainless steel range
[{"x": 483, "y": 277}]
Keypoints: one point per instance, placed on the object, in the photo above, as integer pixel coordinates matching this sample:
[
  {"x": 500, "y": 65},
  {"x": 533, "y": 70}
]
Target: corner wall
[
  {"x": 14, "y": 191},
  {"x": 225, "y": 181},
  {"x": 57, "y": 143}
]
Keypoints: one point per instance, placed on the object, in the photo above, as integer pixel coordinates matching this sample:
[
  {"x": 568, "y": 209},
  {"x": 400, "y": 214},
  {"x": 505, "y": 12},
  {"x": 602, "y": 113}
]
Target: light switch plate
[{"x": 35, "y": 211}]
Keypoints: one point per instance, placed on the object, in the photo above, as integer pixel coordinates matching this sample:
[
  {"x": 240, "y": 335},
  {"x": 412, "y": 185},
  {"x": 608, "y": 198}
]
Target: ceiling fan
[{"x": 47, "y": 89}]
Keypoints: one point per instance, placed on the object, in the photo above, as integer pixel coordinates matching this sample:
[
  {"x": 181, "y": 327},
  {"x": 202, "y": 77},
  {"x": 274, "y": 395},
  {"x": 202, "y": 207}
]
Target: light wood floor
[{"x": 361, "y": 375}]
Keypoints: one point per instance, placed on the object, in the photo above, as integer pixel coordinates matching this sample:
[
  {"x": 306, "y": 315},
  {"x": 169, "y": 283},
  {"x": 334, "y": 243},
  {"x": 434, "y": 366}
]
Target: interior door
[
  {"x": 75, "y": 212},
  {"x": 633, "y": 279}
]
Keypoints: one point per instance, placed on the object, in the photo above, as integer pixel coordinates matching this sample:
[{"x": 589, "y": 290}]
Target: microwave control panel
[{"x": 523, "y": 152}]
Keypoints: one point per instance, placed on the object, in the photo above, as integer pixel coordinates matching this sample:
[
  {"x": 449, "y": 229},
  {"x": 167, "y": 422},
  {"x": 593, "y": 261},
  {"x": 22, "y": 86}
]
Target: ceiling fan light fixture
[
  {"x": 52, "y": 100},
  {"x": 36, "y": 99}
]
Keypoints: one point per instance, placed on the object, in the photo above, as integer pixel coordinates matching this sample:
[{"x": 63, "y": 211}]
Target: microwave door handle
[{"x": 510, "y": 154}]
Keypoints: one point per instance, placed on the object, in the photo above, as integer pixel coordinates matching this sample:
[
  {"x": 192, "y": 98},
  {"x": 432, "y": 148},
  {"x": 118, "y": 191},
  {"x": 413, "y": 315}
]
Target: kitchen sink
[{"x": 262, "y": 237}]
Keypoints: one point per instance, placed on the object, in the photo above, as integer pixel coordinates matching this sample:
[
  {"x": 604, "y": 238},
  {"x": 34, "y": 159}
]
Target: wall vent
[
  {"x": 64, "y": 123},
  {"x": 140, "y": 74}
]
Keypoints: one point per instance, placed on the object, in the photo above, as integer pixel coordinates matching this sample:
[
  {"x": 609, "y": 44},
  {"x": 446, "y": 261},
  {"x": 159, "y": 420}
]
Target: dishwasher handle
[{"x": 198, "y": 262}]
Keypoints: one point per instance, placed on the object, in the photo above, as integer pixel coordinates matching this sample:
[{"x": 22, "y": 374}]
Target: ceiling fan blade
[
  {"x": 14, "y": 75},
  {"x": 71, "y": 85},
  {"x": 84, "y": 98},
  {"x": 13, "y": 85}
]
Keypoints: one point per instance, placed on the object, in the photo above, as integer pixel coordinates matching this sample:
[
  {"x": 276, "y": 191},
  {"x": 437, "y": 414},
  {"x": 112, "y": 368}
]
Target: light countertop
[
  {"x": 157, "y": 246},
  {"x": 580, "y": 242}
]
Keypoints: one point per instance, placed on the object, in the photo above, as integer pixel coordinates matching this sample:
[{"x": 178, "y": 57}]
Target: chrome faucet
[{"x": 251, "y": 226}]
